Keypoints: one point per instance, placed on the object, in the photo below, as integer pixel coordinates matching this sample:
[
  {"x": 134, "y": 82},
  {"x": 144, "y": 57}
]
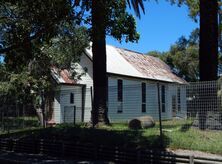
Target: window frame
[
  {"x": 179, "y": 99},
  {"x": 71, "y": 98},
  {"x": 120, "y": 90},
  {"x": 119, "y": 96},
  {"x": 163, "y": 98},
  {"x": 143, "y": 98}
]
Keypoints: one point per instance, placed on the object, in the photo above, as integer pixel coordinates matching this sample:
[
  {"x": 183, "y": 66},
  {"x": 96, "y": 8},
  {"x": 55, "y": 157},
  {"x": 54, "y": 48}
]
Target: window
[
  {"x": 174, "y": 106},
  {"x": 120, "y": 90},
  {"x": 120, "y": 96},
  {"x": 143, "y": 87},
  {"x": 163, "y": 98},
  {"x": 71, "y": 98},
  {"x": 178, "y": 100}
]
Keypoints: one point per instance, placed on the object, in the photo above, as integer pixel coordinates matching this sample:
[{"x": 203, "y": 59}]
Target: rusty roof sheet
[
  {"x": 62, "y": 76},
  {"x": 150, "y": 67},
  {"x": 129, "y": 63}
]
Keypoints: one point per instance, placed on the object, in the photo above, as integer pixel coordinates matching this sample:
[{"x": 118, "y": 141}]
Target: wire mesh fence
[
  {"x": 14, "y": 117},
  {"x": 196, "y": 104}
]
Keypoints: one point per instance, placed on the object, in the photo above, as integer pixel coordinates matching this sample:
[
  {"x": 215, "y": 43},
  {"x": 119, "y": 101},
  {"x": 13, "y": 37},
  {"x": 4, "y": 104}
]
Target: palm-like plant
[
  {"x": 208, "y": 53},
  {"x": 99, "y": 111},
  {"x": 136, "y": 4}
]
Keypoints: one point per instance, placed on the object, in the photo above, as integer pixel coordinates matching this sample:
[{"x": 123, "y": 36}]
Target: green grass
[
  {"x": 15, "y": 124},
  {"x": 177, "y": 135}
]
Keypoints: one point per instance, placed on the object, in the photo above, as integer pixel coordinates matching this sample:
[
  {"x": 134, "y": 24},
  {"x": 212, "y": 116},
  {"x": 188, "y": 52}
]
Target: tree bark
[
  {"x": 99, "y": 110},
  {"x": 208, "y": 54}
]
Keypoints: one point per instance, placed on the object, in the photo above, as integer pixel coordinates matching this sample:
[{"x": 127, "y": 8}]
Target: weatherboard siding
[
  {"x": 132, "y": 100},
  {"x": 183, "y": 104},
  {"x": 86, "y": 64},
  {"x": 87, "y": 80},
  {"x": 57, "y": 110},
  {"x": 88, "y": 105},
  {"x": 66, "y": 105}
]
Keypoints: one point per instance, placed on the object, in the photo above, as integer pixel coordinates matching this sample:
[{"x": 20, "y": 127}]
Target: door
[{"x": 174, "y": 106}]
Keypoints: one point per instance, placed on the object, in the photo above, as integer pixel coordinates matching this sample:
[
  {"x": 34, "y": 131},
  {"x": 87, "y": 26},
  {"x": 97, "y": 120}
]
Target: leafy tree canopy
[
  {"x": 36, "y": 35},
  {"x": 118, "y": 22},
  {"x": 183, "y": 57}
]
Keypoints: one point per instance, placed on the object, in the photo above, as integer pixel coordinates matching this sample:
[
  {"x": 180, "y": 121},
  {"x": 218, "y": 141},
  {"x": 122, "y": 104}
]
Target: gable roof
[
  {"x": 130, "y": 63},
  {"x": 62, "y": 76}
]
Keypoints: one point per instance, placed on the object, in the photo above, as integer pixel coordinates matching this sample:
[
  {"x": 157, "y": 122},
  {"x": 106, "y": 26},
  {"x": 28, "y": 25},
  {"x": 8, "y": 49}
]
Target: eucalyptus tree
[
  {"x": 207, "y": 12},
  {"x": 108, "y": 16},
  {"x": 35, "y": 36}
]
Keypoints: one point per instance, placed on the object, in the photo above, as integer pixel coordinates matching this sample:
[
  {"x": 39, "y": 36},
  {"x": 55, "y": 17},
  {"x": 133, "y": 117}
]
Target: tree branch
[{"x": 11, "y": 47}]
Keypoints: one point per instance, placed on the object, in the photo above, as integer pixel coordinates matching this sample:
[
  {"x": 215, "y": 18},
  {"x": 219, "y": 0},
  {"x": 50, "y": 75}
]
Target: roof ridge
[{"x": 129, "y": 50}]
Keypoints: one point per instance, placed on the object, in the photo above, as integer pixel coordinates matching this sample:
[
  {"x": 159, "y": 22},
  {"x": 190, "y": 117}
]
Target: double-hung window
[
  {"x": 178, "y": 100},
  {"x": 163, "y": 99},
  {"x": 71, "y": 98},
  {"x": 119, "y": 96},
  {"x": 143, "y": 91}
]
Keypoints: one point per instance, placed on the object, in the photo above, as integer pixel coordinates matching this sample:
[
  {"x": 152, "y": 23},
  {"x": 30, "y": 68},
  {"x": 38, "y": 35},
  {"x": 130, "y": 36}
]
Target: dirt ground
[
  {"x": 195, "y": 153},
  {"x": 23, "y": 158}
]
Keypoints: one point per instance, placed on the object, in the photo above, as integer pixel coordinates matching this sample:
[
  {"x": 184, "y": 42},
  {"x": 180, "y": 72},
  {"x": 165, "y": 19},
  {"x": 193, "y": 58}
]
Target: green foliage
[
  {"x": 118, "y": 22},
  {"x": 183, "y": 57},
  {"x": 36, "y": 36},
  {"x": 193, "y": 6}
]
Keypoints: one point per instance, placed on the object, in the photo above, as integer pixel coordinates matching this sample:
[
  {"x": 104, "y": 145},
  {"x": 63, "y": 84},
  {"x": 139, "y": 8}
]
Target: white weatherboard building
[{"x": 132, "y": 88}]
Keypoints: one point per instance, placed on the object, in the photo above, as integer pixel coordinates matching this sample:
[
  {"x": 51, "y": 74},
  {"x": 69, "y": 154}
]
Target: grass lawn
[
  {"x": 177, "y": 134},
  {"x": 17, "y": 124}
]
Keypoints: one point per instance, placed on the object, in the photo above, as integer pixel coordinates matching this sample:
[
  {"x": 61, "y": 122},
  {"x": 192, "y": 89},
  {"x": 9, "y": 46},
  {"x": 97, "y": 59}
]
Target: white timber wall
[
  {"x": 86, "y": 79},
  {"x": 57, "y": 107},
  {"x": 132, "y": 100},
  {"x": 132, "y": 97},
  {"x": 183, "y": 97},
  {"x": 63, "y": 108},
  {"x": 173, "y": 91},
  {"x": 85, "y": 64}
]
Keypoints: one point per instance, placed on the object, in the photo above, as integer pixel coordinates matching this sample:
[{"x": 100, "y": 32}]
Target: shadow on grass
[
  {"x": 124, "y": 138},
  {"x": 185, "y": 127}
]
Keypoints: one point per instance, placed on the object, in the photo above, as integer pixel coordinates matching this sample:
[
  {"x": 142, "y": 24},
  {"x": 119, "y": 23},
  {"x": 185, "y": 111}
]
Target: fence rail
[{"x": 88, "y": 151}]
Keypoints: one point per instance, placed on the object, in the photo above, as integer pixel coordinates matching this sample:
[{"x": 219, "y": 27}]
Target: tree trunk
[
  {"x": 208, "y": 52},
  {"x": 99, "y": 110},
  {"x": 40, "y": 116}
]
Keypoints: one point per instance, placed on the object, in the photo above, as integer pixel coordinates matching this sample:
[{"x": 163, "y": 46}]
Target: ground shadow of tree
[
  {"x": 124, "y": 139},
  {"x": 186, "y": 127}
]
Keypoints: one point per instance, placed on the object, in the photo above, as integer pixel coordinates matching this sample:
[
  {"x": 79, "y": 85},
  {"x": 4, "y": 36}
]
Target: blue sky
[{"x": 160, "y": 27}]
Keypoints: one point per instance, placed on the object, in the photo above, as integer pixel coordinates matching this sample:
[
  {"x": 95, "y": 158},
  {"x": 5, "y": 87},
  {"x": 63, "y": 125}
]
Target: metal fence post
[
  {"x": 160, "y": 117},
  {"x": 191, "y": 159}
]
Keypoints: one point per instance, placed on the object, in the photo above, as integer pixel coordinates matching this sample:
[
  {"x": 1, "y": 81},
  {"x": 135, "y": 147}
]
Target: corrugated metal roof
[
  {"x": 150, "y": 67},
  {"x": 135, "y": 64},
  {"x": 130, "y": 63},
  {"x": 62, "y": 76}
]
